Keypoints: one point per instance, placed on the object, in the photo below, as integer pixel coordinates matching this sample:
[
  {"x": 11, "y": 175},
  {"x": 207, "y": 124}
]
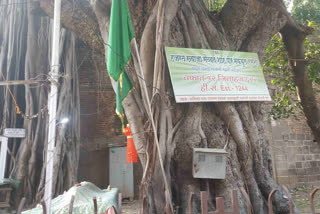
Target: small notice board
[
  {"x": 14, "y": 133},
  {"x": 201, "y": 75}
]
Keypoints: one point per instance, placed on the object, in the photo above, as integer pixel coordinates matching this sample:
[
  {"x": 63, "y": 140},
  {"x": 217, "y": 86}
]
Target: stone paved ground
[{"x": 130, "y": 207}]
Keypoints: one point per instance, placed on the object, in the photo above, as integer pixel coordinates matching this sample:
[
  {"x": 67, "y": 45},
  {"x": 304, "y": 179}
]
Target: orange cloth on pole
[{"x": 132, "y": 155}]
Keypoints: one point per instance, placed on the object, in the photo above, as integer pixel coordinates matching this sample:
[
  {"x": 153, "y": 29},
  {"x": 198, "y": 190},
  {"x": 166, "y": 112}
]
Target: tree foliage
[
  {"x": 276, "y": 65},
  {"x": 214, "y": 5},
  {"x": 306, "y": 10}
]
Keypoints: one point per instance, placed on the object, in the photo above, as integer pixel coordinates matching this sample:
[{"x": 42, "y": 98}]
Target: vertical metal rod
[
  {"x": 52, "y": 104},
  {"x": 95, "y": 205},
  {"x": 190, "y": 203},
  {"x": 311, "y": 196},
  {"x": 219, "y": 205},
  {"x": 285, "y": 189},
  {"x": 270, "y": 200},
  {"x": 204, "y": 202}
]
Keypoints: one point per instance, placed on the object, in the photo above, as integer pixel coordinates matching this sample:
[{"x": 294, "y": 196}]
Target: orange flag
[{"x": 132, "y": 155}]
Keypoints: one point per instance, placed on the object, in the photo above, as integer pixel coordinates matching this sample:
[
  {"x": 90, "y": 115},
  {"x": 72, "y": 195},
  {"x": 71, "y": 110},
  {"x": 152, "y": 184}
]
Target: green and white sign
[{"x": 200, "y": 75}]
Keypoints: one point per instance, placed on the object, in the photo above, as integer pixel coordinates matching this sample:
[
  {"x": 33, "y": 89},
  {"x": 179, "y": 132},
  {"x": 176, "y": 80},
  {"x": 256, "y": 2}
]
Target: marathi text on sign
[{"x": 200, "y": 75}]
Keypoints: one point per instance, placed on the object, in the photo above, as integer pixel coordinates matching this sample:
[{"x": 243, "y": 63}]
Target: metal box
[
  {"x": 121, "y": 172},
  {"x": 209, "y": 163}
]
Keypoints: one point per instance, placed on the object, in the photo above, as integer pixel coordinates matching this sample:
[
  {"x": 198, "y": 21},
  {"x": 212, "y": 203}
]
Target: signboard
[
  {"x": 3, "y": 156},
  {"x": 15, "y": 133},
  {"x": 200, "y": 75}
]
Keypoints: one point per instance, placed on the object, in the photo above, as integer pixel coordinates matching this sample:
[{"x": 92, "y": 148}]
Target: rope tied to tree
[{"x": 13, "y": 98}]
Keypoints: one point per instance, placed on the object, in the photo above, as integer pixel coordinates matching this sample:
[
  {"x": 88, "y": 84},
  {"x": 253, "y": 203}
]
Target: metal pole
[
  {"x": 144, "y": 88},
  {"x": 52, "y": 104}
]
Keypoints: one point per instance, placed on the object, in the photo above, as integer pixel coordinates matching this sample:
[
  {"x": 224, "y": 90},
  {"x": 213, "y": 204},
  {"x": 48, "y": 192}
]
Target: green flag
[{"x": 120, "y": 35}]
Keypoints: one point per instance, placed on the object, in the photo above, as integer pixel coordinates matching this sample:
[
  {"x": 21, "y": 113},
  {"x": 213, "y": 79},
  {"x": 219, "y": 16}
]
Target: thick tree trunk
[{"x": 242, "y": 25}]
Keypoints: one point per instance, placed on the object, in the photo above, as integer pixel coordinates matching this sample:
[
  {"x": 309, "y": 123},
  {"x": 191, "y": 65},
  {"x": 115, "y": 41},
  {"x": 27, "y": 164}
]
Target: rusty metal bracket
[
  {"x": 220, "y": 204},
  {"x": 311, "y": 196},
  {"x": 190, "y": 202},
  {"x": 95, "y": 205},
  {"x": 204, "y": 202},
  {"x": 270, "y": 200}
]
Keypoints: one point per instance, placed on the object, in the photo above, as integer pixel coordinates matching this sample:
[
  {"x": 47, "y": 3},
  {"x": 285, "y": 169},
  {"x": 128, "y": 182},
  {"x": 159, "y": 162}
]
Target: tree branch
[
  {"x": 293, "y": 38},
  {"x": 78, "y": 17},
  {"x": 269, "y": 17}
]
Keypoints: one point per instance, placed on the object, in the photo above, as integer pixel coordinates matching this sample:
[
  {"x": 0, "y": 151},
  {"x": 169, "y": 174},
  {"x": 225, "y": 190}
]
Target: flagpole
[
  {"x": 52, "y": 105},
  {"x": 144, "y": 86}
]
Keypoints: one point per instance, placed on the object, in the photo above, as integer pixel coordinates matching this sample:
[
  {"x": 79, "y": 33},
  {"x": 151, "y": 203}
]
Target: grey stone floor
[{"x": 130, "y": 207}]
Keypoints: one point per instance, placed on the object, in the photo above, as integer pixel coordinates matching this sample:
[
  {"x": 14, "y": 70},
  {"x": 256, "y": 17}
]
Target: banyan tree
[{"x": 241, "y": 25}]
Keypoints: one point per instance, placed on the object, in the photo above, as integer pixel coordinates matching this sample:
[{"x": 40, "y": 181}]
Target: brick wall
[
  {"x": 97, "y": 98},
  {"x": 98, "y": 117},
  {"x": 296, "y": 157},
  {"x": 297, "y": 160},
  {"x": 99, "y": 124}
]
